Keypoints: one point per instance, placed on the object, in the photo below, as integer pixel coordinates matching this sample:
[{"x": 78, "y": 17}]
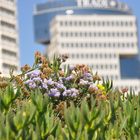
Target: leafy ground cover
[{"x": 46, "y": 102}]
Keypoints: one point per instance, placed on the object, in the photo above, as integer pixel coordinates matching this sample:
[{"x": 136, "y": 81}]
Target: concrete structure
[
  {"x": 9, "y": 46},
  {"x": 99, "y": 35}
]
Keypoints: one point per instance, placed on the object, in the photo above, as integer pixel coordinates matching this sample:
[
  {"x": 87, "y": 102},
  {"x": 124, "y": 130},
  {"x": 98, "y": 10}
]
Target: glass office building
[{"x": 99, "y": 33}]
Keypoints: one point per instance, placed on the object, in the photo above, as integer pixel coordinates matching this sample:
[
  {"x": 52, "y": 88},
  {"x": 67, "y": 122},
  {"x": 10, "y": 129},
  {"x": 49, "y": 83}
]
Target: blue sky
[{"x": 26, "y": 32}]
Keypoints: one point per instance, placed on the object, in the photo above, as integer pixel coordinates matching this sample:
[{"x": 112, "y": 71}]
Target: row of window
[
  {"x": 97, "y": 34},
  {"x": 9, "y": 66},
  {"x": 91, "y": 56},
  {"x": 7, "y": 11},
  {"x": 10, "y": 0},
  {"x": 104, "y": 66},
  {"x": 9, "y": 53},
  {"x": 96, "y": 23},
  {"x": 7, "y": 25},
  {"x": 98, "y": 45},
  {"x": 8, "y": 39},
  {"x": 110, "y": 77}
]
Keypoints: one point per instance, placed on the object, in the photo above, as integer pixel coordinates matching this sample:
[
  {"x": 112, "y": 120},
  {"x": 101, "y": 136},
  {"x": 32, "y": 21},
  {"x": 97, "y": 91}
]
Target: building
[
  {"x": 9, "y": 43},
  {"x": 99, "y": 33}
]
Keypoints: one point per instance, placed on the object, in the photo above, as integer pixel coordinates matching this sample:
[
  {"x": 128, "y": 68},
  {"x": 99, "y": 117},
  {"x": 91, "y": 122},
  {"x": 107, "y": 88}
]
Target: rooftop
[{"x": 94, "y": 4}]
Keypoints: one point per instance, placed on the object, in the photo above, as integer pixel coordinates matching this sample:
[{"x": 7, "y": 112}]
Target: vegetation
[{"x": 48, "y": 102}]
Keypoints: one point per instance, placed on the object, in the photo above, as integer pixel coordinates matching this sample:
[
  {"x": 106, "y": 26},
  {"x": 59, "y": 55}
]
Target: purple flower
[
  {"x": 28, "y": 82},
  {"x": 54, "y": 93},
  {"x": 34, "y": 74},
  {"x": 71, "y": 77},
  {"x": 71, "y": 92},
  {"x": 67, "y": 93},
  {"x": 74, "y": 95},
  {"x": 44, "y": 85},
  {"x": 88, "y": 76},
  {"x": 50, "y": 82},
  {"x": 37, "y": 79},
  {"x": 32, "y": 85},
  {"x": 60, "y": 86}
]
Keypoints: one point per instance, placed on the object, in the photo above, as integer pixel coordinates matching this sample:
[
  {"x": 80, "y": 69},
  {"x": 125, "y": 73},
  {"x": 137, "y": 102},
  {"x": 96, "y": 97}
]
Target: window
[
  {"x": 70, "y": 23},
  {"x": 7, "y": 11},
  {"x": 91, "y": 55},
  {"x": 8, "y": 66},
  {"x": 8, "y": 25},
  {"x": 77, "y": 55},
  {"x": 103, "y": 23},
  {"x": 73, "y": 56},
  {"x": 85, "y": 23},
  {"x": 80, "y": 23},
  {"x": 10, "y": 0},
  {"x": 8, "y": 39},
  {"x": 66, "y": 23},
  {"x": 75, "y": 23},
  {"x": 89, "y": 23},
  {"x": 61, "y": 23},
  {"x": 86, "y": 55},
  {"x": 82, "y": 55},
  {"x": 126, "y": 23},
  {"x": 131, "y": 34},
  {"x": 62, "y": 45},
  {"x": 62, "y": 34},
  {"x": 9, "y": 53}
]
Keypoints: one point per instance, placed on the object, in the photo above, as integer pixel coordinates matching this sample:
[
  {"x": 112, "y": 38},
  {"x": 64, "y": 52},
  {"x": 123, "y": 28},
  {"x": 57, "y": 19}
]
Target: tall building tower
[
  {"x": 99, "y": 33},
  {"x": 9, "y": 43}
]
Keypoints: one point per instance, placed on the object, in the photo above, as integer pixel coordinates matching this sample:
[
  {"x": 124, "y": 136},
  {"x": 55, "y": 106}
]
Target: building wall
[
  {"x": 98, "y": 41},
  {"x": 9, "y": 42}
]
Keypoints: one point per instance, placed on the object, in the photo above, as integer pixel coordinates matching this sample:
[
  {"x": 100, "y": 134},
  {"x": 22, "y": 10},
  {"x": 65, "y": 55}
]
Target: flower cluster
[
  {"x": 74, "y": 82},
  {"x": 73, "y": 85},
  {"x": 49, "y": 86}
]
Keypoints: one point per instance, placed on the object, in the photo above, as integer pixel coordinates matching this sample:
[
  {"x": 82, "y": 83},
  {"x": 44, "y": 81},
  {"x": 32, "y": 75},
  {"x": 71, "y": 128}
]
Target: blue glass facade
[
  {"x": 46, "y": 12},
  {"x": 130, "y": 68}
]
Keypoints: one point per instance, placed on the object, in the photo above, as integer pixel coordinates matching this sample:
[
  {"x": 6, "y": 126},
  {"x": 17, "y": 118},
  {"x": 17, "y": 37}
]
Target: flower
[
  {"x": 66, "y": 93},
  {"x": 25, "y": 68},
  {"x": 54, "y": 93},
  {"x": 44, "y": 85},
  {"x": 70, "y": 92},
  {"x": 60, "y": 86},
  {"x": 34, "y": 74},
  {"x": 37, "y": 79},
  {"x": 88, "y": 76},
  {"x": 50, "y": 82},
  {"x": 28, "y": 82},
  {"x": 74, "y": 91},
  {"x": 32, "y": 85},
  {"x": 92, "y": 88},
  {"x": 83, "y": 82},
  {"x": 101, "y": 87},
  {"x": 124, "y": 90},
  {"x": 69, "y": 78}
]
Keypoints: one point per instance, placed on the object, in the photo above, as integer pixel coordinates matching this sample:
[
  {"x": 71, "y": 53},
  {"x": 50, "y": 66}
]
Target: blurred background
[
  {"x": 103, "y": 34},
  {"x": 27, "y": 41}
]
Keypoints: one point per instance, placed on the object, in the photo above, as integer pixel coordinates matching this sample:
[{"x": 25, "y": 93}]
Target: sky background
[{"x": 26, "y": 30}]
